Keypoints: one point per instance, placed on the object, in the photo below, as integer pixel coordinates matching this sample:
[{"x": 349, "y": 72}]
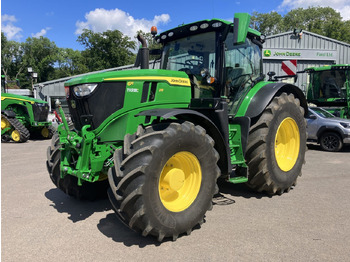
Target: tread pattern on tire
[
  {"x": 128, "y": 176},
  {"x": 259, "y": 175}
]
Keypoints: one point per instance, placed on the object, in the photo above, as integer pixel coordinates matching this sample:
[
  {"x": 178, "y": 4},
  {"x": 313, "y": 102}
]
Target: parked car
[{"x": 329, "y": 131}]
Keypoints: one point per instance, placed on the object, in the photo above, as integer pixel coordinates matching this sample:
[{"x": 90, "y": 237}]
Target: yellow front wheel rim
[
  {"x": 4, "y": 123},
  {"x": 16, "y": 136},
  {"x": 45, "y": 132},
  {"x": 287, "y": 144},
  {"x": 180, "y": 181}
]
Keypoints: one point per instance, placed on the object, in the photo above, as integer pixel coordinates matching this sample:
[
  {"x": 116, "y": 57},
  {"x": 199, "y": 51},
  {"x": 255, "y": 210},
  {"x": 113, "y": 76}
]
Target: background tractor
[
  {"x": 158, "y": 139},
  {"x": 22, "y": 117},
  {"x": 330, "y": 88}
]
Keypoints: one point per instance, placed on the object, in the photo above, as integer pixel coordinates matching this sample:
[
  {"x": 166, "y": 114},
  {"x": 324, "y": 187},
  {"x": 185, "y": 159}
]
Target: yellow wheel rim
[
  {"x": 287, "y": 144},
  {"x": 180, "y": 181},
  {"x": 4, "y": 123},
  {"x": 45, "y": 132},
  {"x": 15, "y": 135}
]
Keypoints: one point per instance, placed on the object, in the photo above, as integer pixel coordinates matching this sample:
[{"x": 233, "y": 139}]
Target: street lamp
[{"x": 33, "y": 75}]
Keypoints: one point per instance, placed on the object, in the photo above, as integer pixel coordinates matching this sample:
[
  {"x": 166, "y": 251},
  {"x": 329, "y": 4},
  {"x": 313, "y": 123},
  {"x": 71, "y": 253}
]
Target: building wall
[{"x": 314, "y": 50}]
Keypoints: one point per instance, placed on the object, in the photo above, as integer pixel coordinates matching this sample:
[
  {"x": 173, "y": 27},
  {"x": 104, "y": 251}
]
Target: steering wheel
[{"x": 190, "y": 62}]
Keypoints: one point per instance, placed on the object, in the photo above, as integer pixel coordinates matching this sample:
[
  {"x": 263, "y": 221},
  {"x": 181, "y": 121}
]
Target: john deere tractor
[
  {"x": 22, "y": 117},
  {"x": 159, "y": 139},
  {"x": 330, "y": 88}
]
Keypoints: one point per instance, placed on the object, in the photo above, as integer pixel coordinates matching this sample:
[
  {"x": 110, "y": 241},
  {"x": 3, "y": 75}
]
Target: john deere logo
[{"x": 267, "y": 53}]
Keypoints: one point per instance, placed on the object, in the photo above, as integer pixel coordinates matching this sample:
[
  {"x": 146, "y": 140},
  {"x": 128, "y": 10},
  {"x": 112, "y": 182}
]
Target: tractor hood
[
  {"x": 172, "y": 77},
  {"x": 21, "y": 98}
]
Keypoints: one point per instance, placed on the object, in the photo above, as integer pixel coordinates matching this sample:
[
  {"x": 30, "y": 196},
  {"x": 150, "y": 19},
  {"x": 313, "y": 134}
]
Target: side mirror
[{"x": 312, "y": 117}]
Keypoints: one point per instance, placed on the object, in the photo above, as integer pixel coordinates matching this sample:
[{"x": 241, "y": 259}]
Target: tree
[
  {"x": 70, "y": 62},
  {"x": 106, "y": 50},
  {"x": 41, "y": 54},
  {"x": 268, "y": 24},
  {"x": 313, "y": 19},
  {"x": 11, "y": 59},
  {"x": 320, "y": 20}
]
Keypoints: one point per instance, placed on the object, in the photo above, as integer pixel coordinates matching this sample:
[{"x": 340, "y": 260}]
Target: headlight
[{"x": 84, "y": 90}]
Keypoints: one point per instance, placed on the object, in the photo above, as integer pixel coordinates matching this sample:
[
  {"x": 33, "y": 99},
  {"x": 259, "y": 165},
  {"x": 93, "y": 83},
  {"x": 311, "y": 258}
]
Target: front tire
[
  {"x": 163, "y": 183},
  {"x": 276, "y": 146}
]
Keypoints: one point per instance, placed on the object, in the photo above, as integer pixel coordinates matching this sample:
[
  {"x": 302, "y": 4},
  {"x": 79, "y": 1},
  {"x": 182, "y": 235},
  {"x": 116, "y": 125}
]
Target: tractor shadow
[
  {"x": 78, "y": 210},
  {"x": 110, "y": 226},
  {"x": 114, "y": 229}
]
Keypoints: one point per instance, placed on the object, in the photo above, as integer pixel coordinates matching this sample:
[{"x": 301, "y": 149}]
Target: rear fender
[{"x": 264, "y": 96}]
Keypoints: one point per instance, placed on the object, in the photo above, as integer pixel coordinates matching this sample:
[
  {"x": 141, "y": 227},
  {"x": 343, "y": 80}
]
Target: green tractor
[
  {"x": 330, "y": 88},
  {"x": 159, "y": 139},
  {"x": 22, "y": 117}
]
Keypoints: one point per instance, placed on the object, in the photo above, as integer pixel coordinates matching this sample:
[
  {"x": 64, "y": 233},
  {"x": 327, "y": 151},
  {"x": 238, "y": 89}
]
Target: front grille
[
  {"x": 41, "y": 112},
  {"x": 106, "y": 99}
]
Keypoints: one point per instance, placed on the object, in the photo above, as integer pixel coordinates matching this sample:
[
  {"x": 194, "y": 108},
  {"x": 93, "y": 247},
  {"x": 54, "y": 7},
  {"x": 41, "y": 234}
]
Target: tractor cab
[
  {"x": 215, "y": 62},
  {"x": 330, "y": 87}
]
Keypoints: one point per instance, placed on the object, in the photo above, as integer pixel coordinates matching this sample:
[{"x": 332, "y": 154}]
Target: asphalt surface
[{"x": 310, "y": 223}]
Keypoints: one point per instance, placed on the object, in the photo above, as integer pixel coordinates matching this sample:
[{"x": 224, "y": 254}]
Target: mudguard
[{"x": 264, "y": 96}]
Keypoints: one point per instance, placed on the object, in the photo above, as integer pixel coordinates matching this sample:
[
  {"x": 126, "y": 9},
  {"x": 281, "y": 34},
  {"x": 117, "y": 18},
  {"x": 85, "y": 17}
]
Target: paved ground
[{"x": 310, "y": 223}]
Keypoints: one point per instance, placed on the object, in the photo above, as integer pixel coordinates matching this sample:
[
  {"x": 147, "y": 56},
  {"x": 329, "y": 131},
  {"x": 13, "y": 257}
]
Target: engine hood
[{"x": 172, "y": 77}]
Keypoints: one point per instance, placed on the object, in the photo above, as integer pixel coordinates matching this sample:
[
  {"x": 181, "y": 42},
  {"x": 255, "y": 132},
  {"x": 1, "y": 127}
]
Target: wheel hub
[
  {"x": 45, "y": 132},
  {"x": 15, "y": 135},
  {"x": 180, "y": 181},
  {"x": 287, "y": 144},
  {"x": 4, "y": 123}
]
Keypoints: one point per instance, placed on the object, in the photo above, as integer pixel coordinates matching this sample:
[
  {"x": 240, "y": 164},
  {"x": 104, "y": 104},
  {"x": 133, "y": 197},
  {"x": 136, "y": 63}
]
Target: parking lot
[{"x": 310, "y": 223}]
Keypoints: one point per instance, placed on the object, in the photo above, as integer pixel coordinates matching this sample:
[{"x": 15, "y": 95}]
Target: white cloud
[
  {"x": 11, "y": 31},
  {"x": 100, "y": 20},
  {"x": 341, "y": 6},
  {"x": 41, "y": 33}
]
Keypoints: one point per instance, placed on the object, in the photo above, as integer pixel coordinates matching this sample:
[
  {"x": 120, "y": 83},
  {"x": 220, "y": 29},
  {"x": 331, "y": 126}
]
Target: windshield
[
  {"x": 323, "y": 113},
  {"x": 328, "y": 84},
  {"x": 192, "y": 53}
]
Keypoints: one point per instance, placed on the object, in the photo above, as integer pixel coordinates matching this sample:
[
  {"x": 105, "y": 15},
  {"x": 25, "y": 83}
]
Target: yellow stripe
[
  {"x": 3, "y": 98},
  {"x": 177, "y": 81}
]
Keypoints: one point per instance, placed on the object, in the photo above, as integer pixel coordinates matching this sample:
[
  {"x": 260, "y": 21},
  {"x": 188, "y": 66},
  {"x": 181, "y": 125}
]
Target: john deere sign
[{"x": 300, "y": 54}]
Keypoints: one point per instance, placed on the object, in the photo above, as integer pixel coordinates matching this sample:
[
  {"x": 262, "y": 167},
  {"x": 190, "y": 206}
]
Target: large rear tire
[
  {"x": 69, "y": 184},
  {"x": 276, "y": 146},
  {"x": 163, "y": 183}
]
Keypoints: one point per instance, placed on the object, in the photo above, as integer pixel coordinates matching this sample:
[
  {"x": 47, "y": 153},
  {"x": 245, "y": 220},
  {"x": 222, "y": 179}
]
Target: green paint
[
  {"x": 329, "y": 88},
  {"x": 238, "y": 180},
  {"x": 23, "y": 107}
]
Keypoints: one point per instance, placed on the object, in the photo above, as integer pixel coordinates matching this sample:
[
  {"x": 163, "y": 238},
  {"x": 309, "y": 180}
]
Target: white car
[{"x": 329, "y": 131}]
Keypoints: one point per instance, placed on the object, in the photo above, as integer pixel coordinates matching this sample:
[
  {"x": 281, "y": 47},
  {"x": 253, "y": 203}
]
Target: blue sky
[{"x": 62, "y": 21}]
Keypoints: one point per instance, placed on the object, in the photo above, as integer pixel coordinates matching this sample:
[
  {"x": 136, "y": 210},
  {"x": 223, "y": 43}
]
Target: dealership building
[{"x": 308, "y": 49}]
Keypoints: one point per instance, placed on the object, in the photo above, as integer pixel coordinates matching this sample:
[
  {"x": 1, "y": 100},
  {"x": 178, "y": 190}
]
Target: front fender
[{"x": 219, "y": 136}]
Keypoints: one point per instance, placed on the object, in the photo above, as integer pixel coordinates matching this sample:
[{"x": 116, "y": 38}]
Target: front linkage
[{"x": 81, "y": 154}]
